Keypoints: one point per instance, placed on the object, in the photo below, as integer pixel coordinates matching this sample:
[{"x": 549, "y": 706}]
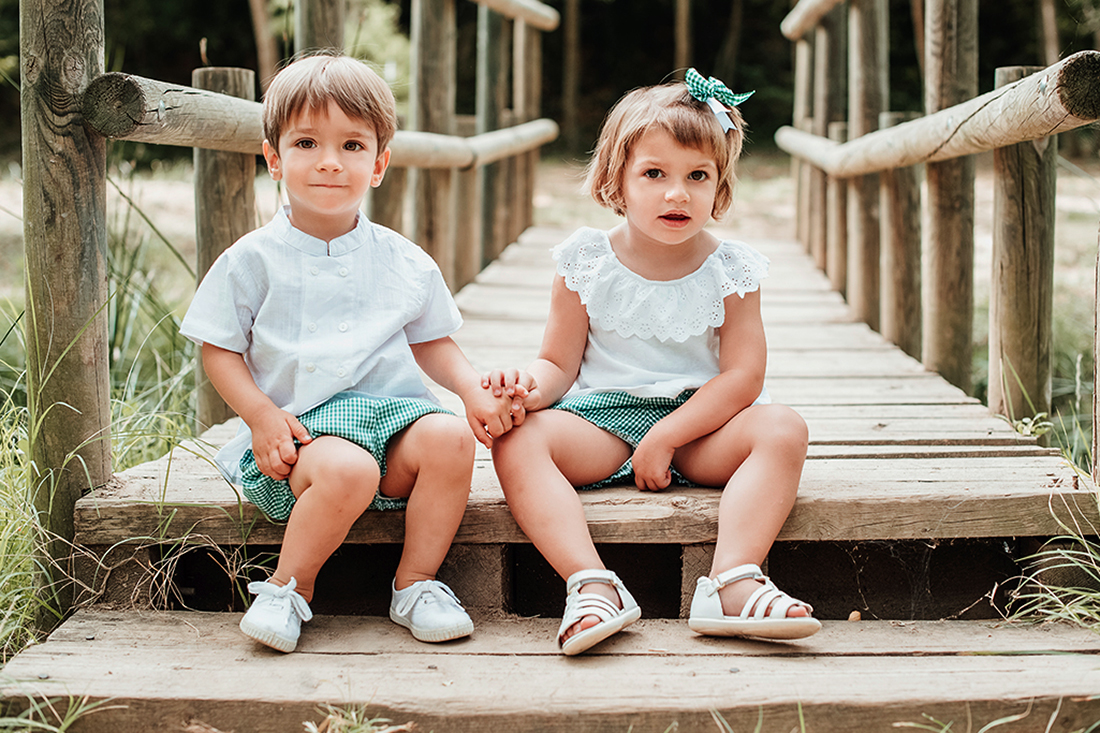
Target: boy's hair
[
  {"x": 309, "y": 83},
  {"x": 691, "y": 123}
]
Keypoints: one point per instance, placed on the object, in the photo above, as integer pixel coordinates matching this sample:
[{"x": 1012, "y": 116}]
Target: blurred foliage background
[{"x": 625, "y": 43}]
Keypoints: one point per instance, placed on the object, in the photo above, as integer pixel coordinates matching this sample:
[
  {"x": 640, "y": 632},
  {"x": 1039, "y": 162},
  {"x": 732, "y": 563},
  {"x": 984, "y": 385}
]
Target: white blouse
[
  {"x": 652, "y": 338},
  {"x": 314, "y": 318}
]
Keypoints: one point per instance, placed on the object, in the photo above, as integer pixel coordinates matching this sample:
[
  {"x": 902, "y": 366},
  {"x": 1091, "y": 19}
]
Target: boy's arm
[
  {"x": 443, "y": 361},
  {"x": 273, "y": 430}
]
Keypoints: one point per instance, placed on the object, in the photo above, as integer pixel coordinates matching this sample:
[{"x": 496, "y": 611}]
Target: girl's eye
[
  {"x": 698, "y": 175},
  {"x": 652, "y": 173}
]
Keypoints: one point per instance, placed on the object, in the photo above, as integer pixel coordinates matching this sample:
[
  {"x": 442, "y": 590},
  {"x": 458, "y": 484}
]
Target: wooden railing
[
  {"x": 70, "y": 108},
  {"x": 860, "y": 208}
]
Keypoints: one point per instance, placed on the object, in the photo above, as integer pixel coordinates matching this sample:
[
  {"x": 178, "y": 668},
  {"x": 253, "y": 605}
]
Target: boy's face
[{"x": 327, "y": 162}]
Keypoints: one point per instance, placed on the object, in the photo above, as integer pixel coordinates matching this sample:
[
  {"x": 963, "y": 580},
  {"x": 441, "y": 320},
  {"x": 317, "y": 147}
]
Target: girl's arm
[
  {"x": 742, "y": 359},
  {"x": 443, "y": 361},
  {"x": 273, "y": 430},
  {"x": 551, "y": 374}
]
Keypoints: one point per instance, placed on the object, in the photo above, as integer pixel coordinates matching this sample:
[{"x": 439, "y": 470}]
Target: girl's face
[
  {"x": 327, "y": 161},
  {"x": 668, "y": 189}
]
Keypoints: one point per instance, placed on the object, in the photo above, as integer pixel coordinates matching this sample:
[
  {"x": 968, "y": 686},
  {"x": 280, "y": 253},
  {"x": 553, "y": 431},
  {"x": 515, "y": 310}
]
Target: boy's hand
[
  {"x": 273, "y": 444},
  {"x": 489, "y": 416},
  {"x": 517, "y": 385},
  {"x": 651, "y": 461}
]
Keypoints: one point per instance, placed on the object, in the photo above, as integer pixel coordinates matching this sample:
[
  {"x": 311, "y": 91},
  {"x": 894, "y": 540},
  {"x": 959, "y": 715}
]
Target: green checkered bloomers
[
  {"x": 366, "y": 421},
  {"x": 626, "y": 417}
]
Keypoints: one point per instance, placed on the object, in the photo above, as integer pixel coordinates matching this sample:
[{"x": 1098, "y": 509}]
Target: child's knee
[
  {"x": 349, "y": 476},
  {"x": 445, "y": 438},
  {"x": 784, "y": 428}
]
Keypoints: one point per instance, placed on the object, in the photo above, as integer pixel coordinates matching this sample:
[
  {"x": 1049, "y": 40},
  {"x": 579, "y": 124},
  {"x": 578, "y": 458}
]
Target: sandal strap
[
  {"x": 741, "y": 572},
  {"x": 767, "y": 601},
  {"x": 593, "y": 575},
  {"x": 579, "y": 605}
]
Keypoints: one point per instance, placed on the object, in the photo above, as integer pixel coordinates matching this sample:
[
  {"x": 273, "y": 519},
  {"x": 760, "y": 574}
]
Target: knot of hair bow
[{"x": 714, "y": 93}]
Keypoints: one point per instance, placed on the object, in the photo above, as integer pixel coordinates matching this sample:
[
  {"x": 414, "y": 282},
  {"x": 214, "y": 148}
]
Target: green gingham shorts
[
  {"x": 626, "y": 417},
  {"x": 368, "y": 422}
]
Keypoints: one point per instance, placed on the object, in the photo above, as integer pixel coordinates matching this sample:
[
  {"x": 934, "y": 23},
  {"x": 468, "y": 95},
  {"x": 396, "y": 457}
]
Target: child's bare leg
[
  {"x": 764, "y": 448},
  {"x": 538, "y": 465},
  {"x": 431, "y": 462},
  {"x": 335, "y": 481}
]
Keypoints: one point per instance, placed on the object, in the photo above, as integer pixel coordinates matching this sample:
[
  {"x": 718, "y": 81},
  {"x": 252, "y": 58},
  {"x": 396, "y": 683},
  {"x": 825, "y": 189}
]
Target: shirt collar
[{"x": 303, "y": 242}]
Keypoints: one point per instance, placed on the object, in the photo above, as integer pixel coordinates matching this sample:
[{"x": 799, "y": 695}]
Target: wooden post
[
  {"x": 432, "y": 95},
  {"x": 836, "y": 236},
  {"x": 319, "y": 24},
  {"x": 571, "y": 76},
  {"x": 901, "y": 250},
  {"x": 521, "y": 92},
  {"x": 803, "y": 109},
  {"x": 951, "y": 77},
  {"x": 225, "y": 210},
  {"x": 533, "y": 111},
  {"x": 867, "y": 75},
  {"x": 387, "y": 202},
  {"x": 65, "y": 263},
  {"x": 493, "y": 32},
  {"x": 682, "y": 46},
  {"x": 1022, "y": 289},
  {"x": 828, "y": 68}
]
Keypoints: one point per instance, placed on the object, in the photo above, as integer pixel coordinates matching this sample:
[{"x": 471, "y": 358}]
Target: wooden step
[{"x": 171, "y": 671}]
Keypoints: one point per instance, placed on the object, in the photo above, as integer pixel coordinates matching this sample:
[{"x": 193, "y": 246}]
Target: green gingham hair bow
[{"x": 714, "y": 93}]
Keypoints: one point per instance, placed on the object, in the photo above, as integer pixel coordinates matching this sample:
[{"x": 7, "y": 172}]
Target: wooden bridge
[{"x": 915, "y": 510}]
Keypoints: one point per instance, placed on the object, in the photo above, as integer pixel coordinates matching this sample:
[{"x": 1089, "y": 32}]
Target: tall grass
[{"x": 152, "y": 385}]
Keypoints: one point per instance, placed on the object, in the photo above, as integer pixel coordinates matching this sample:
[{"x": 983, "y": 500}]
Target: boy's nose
[{"x": 329, "y": 160}]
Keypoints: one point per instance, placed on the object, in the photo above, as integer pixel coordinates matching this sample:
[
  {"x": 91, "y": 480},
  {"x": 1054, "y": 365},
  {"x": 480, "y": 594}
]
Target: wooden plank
[
  {"x": 839, "y": 499},
  {"x": 509, "y": 677}
]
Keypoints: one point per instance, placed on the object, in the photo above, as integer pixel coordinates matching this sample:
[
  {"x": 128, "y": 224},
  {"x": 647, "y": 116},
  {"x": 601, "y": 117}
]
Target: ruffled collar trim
[{"x": 620, "y": 300}]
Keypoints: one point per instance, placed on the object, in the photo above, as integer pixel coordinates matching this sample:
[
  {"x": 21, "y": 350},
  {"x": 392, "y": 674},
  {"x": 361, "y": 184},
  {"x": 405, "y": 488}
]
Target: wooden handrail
[
  {"x": 805, "y": 16},
  {"x": 128, "y": 107},
  {"x": 533, "y": 13},
  {"x": 1061, "y": 97}
]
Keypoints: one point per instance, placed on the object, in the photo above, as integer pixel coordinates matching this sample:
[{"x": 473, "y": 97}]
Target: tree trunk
[{"x": 725, "y": 66}]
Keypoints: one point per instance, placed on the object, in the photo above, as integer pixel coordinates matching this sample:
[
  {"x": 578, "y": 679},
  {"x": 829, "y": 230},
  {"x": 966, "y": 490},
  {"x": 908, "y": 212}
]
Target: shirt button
[
  {"x": 312, "y": 327},
  {"x": 314, "y": 271},
  {"x": 343, "y": 272},
  {"x": 341, "y": 372},
  {"x": 343, "y": 327},
  {"x": 311, "y": 368}
]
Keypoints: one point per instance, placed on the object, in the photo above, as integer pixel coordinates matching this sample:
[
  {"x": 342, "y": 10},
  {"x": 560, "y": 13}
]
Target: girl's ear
[
  {"x": 272, "y": 158},
  {"x": 380, "y": 164}
]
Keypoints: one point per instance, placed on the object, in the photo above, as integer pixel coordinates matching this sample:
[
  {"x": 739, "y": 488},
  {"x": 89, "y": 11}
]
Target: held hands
[
  {"x": 273, "y": 437},
  {"x": 516, "y": 385},
  {"x": 490, "y": 416}
]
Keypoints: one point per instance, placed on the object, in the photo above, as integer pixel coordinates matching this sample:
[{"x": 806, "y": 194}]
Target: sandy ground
[{"x": 763, "y": 208}]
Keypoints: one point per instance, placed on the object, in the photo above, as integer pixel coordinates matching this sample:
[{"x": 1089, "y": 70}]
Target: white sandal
[
  {"x": 755, "y": 618},
  {"x": 578, "y": 605}
]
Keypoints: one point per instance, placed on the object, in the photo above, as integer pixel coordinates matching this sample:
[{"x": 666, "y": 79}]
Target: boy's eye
[
  {"x": 698, "y": 175},
  {"x": 306, "y": 144},
  {"x": 354, "y": 146}
]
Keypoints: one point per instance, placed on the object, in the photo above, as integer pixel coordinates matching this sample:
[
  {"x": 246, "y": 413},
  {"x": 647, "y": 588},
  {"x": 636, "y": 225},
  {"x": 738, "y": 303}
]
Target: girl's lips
[{"x": 675, "y": 217}]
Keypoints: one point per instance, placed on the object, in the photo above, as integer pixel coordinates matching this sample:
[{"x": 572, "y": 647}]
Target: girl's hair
[
  {"x": 309, "y": 83},
  {"x": 691, "y": 123}
]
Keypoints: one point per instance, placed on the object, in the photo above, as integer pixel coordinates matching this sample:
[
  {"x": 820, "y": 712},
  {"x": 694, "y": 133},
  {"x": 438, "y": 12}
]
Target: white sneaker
[
  {"x": 431, "y": 611},
  {"x": 275, "y": 617}
]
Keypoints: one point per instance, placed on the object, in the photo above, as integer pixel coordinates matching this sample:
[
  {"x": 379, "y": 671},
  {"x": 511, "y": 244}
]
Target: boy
[{"x": 312, "y": 328}]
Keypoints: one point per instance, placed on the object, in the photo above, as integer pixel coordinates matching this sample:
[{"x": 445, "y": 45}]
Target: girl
[{"x": 652, "y": 365}]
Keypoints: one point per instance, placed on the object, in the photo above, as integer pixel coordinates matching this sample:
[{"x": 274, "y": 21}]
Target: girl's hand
[
  {"x": 517, "y": 384},
  {"x": 651, "y": 461},
  {"x": 273, "y": 444}
]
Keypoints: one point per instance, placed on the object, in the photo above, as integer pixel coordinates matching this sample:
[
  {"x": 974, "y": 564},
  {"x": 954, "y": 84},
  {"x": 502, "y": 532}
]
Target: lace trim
[{"x": 623, "y": 302}]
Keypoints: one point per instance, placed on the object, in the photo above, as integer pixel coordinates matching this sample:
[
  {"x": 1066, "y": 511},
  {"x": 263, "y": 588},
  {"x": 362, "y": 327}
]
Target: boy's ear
[
  {"x": 380, "y": 164},
  {"x": 272, "y": 157}
]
